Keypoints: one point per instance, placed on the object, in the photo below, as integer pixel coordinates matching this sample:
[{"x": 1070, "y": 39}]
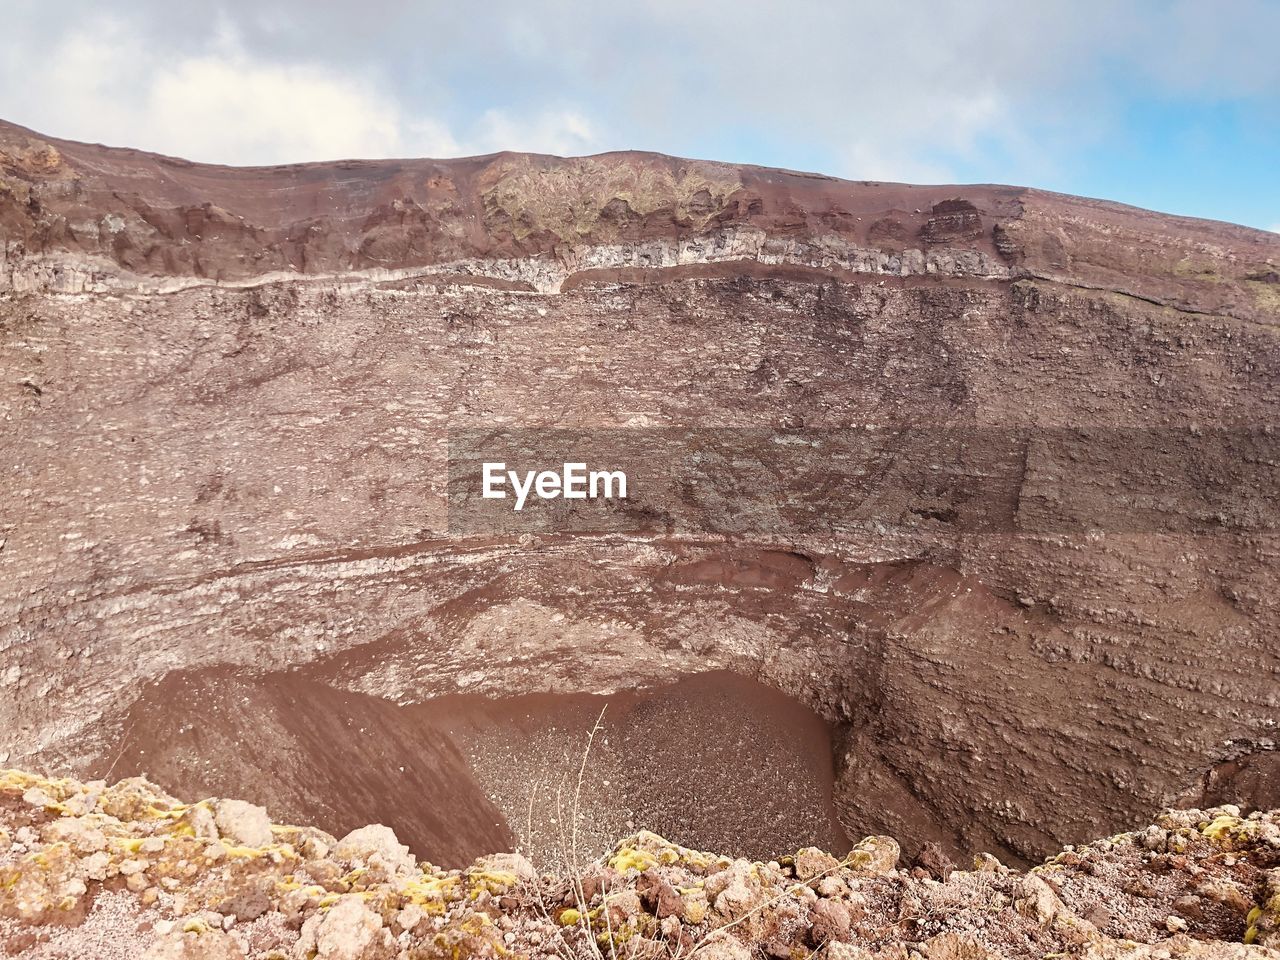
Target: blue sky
[{"x": 1167, "y": 104}]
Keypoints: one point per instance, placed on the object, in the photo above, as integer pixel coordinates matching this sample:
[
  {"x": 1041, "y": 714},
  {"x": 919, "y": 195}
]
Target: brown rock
[
  {"x": 1225, "y": 893},
  {"x": 246, "y": 905},
  {"x": 812, "y": 863},
  {"x": 934, "y": 861},
  {"x": 829, "y": 920},
  {"x": 623, "y": 907},
  {"x": 243, "y": 823},
  {"x": 955, "y": 946},
  {"x": 724, "y": 947},
  {"x": 659, "y": 897},
  {"x": 83, "y": 837},
  {"x": 1037, "y": 900},
  {"x": 874, "y": 855},
  {"x": 376, "y": 846}
]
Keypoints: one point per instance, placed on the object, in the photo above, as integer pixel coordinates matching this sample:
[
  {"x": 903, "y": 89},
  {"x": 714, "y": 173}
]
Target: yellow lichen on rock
[
  {"x": 494, "y": 882},
  {"x": 431, "y": 893},
  {"x": 34, "y": 157},
  {"x": 874, "y": 855},
  {"x": 1221, "y": 827},
  {"x": 572, "y": 198},
  {"x": 647, "y": 849},
  {"x": 646, "y": 896},
  {"x": 1263, "y": 922},
  {"x": 43, "y": 887}
]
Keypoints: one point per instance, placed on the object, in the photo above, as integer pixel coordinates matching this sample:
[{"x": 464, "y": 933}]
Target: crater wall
[{"x": 219, "y": 460}]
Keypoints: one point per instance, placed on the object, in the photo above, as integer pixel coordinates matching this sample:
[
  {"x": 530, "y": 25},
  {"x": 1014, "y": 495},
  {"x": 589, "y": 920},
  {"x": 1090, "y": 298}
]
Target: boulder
[
  {"x": 812, "y": 863},
  {"x": 348, "y": 931},
  {"x": 376, "y": 846},
  {"x": 243, "y": 823}
]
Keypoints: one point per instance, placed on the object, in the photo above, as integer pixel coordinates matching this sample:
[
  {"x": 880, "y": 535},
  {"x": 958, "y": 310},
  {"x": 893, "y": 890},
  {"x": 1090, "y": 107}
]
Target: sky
[{"x": 1172, "y": 105}]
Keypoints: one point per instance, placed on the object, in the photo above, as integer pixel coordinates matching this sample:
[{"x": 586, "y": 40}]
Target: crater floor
[{"x": 715, "y": 761}]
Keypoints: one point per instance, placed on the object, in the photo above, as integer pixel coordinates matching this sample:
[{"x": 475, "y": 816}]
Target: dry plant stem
[
  {"x": 584, "y": 918},
  {"x": 563, "y": 948},
  {"x": 569, "y": 854},
  {"x": 124, "y": 742},
  {"x": 577, "y": 792}
]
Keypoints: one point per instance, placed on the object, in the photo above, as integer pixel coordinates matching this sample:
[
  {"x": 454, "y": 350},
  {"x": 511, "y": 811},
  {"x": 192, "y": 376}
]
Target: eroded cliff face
[
  {"x": 82, "y": 218},
  {"x": 228, "y": 396}
]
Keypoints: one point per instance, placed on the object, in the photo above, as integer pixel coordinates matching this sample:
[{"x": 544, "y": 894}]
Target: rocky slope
[
  {"x": 126, "y": 871},
  {"x": 229, "y": 397},
  {"x": 79, "y": 217}
]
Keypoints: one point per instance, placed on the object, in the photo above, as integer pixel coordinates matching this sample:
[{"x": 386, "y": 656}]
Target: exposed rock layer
[
  {"x": 227, "y": 394},
  {"x": 80, "y": 217}
]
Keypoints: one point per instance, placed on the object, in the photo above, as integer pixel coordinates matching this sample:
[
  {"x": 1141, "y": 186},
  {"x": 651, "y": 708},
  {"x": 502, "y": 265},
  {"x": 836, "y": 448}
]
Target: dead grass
[{"x": 570, "y": 854}]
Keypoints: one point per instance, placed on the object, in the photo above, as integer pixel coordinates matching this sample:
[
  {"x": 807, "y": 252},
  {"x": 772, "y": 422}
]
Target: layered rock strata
[{"x": 227, "y": 399}]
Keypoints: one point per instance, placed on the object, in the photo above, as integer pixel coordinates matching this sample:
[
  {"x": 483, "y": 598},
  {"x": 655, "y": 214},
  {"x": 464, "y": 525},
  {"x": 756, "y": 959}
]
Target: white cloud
[
  {"x": 887, "y": 148},
  {"x": 214, "y": 95},
  {"x": 220, "y": 107},
  {"x": 1000, "y": 90},
  {"x": 223, "y": 106},
  {"x": 563, "y": 132},
  {"x": 228, "y": 108}
]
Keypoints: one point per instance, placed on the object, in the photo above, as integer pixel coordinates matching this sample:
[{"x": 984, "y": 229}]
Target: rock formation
[
  {"x": 227, "y": 399},
  {"x": 126, "y": 871}
]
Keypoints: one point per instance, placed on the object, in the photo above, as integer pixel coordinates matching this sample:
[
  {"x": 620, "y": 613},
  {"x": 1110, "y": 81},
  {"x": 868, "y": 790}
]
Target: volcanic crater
[{"x": 228, "y": 560}]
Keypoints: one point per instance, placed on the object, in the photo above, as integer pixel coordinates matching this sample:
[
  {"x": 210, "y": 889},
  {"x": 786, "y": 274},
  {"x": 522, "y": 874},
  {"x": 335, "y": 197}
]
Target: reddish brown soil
[
  {"x": 321, "y": 756},
  {"x": 714, "y": 760}
]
